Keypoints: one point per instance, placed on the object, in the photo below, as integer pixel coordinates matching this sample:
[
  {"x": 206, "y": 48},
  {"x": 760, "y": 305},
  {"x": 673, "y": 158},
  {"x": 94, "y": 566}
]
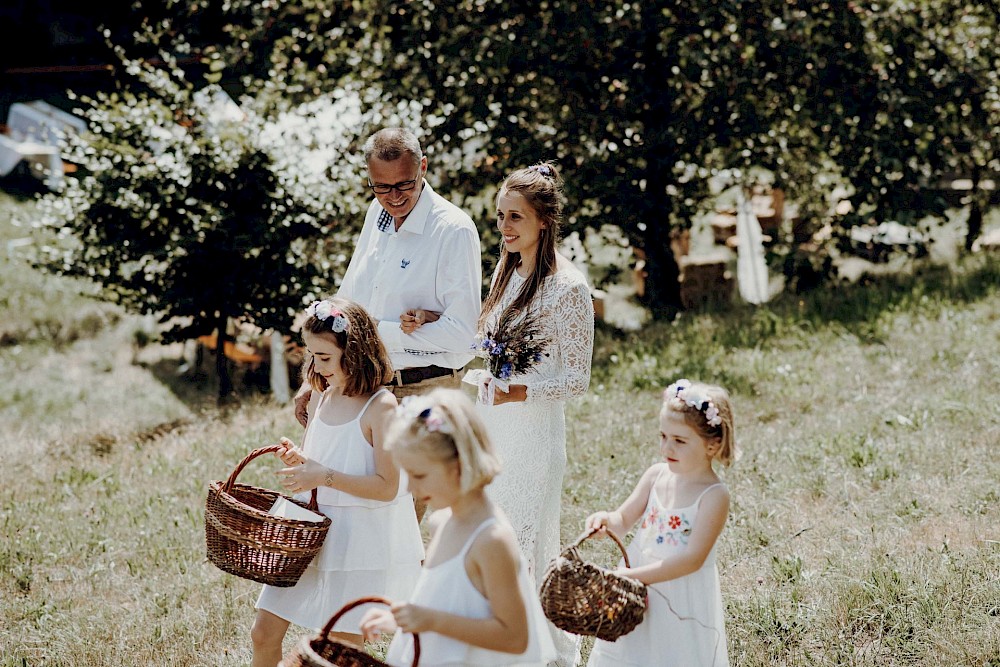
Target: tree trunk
[
  {"x": 663, "y": 288},
  {"x": 975, "y": 226},
  {"x": 221, "y": 361}
]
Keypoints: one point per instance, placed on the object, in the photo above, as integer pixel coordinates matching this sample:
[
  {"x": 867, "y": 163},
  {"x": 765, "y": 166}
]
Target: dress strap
[
  {"x": 324, "y": 397},
  {"x": 706, "y": 490},
  {"x": 472, "y": 538},
  {"x": 369, "y": 402},
  {"x": 660, "y": 474}
]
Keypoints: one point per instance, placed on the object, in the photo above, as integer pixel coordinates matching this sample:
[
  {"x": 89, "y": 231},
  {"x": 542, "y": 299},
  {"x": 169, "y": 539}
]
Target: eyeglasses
[{"x": 384, "y": 189}]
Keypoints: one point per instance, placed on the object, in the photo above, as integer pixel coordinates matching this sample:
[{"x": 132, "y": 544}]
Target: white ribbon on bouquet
[{"x": 487, "y": 384}]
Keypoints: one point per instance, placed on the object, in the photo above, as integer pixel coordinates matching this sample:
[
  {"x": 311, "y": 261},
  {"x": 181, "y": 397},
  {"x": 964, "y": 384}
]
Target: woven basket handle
[
  {"x": 610, "y": 533},
  {"x": 228, "y": 486},
  {"x": 328, "y": 628}
]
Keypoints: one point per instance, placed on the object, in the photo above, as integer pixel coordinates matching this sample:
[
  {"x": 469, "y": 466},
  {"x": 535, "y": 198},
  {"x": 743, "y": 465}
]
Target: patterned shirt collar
[
  {"x": 384, "y": 221},
  {"x": 415, "y": 220}
]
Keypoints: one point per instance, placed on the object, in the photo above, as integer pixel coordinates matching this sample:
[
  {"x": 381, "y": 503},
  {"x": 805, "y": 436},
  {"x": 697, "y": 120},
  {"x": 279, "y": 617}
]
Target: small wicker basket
[
  {"x": 586, "y": 599},
  {"x": 243, "y": 539},
  {"x": 322, "y": 650}
]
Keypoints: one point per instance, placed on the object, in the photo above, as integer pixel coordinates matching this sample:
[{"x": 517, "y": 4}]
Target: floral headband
[
  {"x": 543, "y": 169},
  {"x": 323, "y": 310},
  {"x": 682, "y": 391},
  {"x": 432, "y": 421}
]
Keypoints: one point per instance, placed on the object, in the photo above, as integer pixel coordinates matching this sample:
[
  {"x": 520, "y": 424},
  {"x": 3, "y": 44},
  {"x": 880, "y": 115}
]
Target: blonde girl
[
  {"x": 681, "y": 505},
  {"x": 374, "y": 545},
  {"x": 474, "y": 603}
]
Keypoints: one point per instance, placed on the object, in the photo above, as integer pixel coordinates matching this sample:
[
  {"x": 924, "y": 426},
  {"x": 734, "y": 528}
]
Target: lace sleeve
[{"x": 573, "y": 313}]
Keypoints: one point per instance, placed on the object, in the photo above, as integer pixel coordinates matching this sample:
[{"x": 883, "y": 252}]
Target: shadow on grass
[
  {"x": 869, "y": 297},
  {"x": 198, "y": 387},
  {"x": 693, "y": 344}
]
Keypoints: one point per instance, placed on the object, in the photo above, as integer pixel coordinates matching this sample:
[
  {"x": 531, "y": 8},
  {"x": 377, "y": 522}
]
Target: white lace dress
[{"x": 530, "y": 437}]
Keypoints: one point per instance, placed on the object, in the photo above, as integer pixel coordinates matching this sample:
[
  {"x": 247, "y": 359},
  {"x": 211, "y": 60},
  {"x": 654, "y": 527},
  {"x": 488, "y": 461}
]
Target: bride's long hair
[{"x": 541, "y": 186}]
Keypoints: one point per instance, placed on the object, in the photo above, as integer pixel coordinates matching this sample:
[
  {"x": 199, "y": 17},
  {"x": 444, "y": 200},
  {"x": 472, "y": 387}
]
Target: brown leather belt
[{"x": 414, "y": 375}]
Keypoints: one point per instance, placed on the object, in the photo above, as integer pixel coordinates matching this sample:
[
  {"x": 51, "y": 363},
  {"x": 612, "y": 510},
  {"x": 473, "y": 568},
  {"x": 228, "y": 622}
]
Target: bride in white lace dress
[{"x": 527, "y": 424}]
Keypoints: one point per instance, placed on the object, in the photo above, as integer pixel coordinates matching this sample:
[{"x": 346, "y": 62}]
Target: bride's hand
[{"x": 516, "y": 393}]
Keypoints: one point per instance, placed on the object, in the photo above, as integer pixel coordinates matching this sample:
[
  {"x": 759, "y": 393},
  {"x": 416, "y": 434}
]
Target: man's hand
[
  {"x": 415, "y": 318},
  {"x": 302, "y": 404}
]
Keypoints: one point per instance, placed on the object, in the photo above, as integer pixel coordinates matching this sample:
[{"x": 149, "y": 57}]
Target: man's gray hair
[{"x": 392, "y": 143}]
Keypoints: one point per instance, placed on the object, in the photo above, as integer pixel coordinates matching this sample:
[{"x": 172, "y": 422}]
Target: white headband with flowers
[
  {"x": 323, "y": 310},
  {"x": 681, "y": 389},
  {"x": 410, "y": 410}
]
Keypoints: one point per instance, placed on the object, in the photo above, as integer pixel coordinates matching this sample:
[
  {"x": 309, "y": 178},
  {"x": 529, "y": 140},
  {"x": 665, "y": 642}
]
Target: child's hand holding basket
[
  {"x": 586, "y": 599},
  {"x": 325, "y": 650},
  {"x": 244, "y": 539}
]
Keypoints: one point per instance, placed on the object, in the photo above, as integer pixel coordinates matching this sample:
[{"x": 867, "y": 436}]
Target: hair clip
[
  {"x": 431, "y": 421},
  {"x": 323, "y": 310},
  {"x": 434, "y": 423},
  {"x": 542, "y": 169}
]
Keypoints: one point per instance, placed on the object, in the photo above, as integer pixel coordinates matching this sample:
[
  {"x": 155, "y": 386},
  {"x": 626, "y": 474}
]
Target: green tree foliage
[
  {"x": 193, "y": 215},
  {"x": 936, "y": 69},
  {"x": 642, "y": 102}
]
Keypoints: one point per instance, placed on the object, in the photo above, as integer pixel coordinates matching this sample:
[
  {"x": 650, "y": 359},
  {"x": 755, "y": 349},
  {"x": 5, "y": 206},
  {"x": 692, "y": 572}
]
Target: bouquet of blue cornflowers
[{"x": 515, "y": 346}]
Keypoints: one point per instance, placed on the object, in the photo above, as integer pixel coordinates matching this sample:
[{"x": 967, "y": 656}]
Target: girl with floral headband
[
  {"x": 475, "y": 603},
  {"x": 374, "y": 546},
  {"x": 681, "y": 505}
]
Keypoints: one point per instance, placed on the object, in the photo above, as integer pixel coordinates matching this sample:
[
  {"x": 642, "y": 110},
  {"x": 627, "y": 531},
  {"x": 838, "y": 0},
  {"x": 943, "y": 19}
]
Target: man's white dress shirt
[{"x": 432, "y": 262}]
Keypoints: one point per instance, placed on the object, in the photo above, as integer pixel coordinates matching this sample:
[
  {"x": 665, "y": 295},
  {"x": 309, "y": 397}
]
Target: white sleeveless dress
[
  {"x": 374, "y": 547},
  {"x": 690, "y": 630},
  {"x": 447, "y": 587}
]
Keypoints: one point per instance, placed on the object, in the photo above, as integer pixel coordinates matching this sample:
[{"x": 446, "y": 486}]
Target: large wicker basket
[
  {"x": 586, "y": 599},
  {"x": 322, "y": 650},
  {"x": 243, "y": 539}
]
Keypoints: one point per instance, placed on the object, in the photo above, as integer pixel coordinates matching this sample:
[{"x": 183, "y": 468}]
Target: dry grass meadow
[{"x": 865, "y": 528}]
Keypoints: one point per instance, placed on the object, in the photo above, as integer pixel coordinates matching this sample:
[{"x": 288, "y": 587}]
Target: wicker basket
[
  {"x": 585, "y": 599},
  {"x": 243, "y": 539},
  {"x": 322, "y": 650}
]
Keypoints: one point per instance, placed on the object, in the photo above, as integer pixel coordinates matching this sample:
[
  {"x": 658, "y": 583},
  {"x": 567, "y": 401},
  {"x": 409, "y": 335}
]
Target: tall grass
[{"x": 864, "y": 528}]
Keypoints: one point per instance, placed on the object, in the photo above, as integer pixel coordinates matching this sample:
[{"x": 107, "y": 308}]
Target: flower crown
[
  {"x": 323, "y": 310},
  {"x": 543, "y": 169},
  {"x": 432, "y": 421},
  {"x": 681, "y": 389}
]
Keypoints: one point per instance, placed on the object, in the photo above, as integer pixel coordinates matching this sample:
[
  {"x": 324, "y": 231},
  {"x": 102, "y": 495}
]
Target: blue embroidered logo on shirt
[{"x": 405, "y": 263}]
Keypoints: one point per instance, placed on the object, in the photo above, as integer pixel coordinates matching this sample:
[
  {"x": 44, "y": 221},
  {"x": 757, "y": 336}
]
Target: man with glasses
[{"x": 417, "y": 251}]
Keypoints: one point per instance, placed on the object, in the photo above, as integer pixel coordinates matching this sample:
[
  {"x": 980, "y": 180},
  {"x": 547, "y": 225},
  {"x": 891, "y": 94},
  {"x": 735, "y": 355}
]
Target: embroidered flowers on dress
[
  {"x": 670, "y": 528},
  {"x": 324, "y": 310}
]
